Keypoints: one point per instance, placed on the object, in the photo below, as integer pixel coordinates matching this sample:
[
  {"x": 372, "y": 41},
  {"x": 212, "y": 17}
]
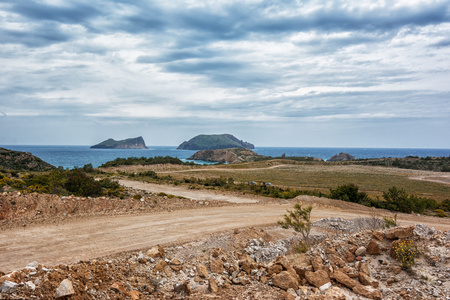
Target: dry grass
[{"x": 316, "y": 175}]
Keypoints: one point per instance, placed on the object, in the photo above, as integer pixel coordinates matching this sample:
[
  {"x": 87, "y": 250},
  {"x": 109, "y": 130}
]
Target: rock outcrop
[
  {"x": 132, "y": 143},
  {"x": 233, "y": 155},
  {"x": 213, "y": 142},
  {"x": 341, "y": 157}
]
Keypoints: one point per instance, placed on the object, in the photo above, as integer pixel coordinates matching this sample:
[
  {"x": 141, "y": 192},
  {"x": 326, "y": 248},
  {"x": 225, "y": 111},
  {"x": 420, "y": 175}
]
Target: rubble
[{"x": 238, "y": 270}]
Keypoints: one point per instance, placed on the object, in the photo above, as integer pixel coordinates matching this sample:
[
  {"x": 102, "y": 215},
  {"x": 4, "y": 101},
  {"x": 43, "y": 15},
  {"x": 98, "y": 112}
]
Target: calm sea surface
[{"x": 78, "y": 156}]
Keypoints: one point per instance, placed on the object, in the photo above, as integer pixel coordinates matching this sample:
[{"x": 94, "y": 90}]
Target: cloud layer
[{"x": 287, "y": 73}]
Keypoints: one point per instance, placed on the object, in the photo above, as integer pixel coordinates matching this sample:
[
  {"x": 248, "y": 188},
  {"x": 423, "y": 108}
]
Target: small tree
[{"x": 299, "y": 219}]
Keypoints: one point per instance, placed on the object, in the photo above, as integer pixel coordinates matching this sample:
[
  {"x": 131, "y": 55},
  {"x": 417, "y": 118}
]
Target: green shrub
[
  {"x": 299, "y": 219},
  {"x": 350, "y": 193},
  {"x": 137, "y": 197},
  {"x": 389, "y": 222}
]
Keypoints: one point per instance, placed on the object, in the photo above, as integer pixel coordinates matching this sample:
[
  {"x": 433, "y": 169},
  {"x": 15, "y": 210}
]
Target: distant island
[
  {"x": 22, "y": 161},
  {"x": 214, "y": 142},
  {"x": 132, "y": 143}
]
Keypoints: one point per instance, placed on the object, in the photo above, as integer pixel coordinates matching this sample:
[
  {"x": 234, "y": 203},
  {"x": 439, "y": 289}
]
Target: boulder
[
  {"x": 378, "y": 235},
  {"x": 317, "y": 278},
  {"x": 274, "y": 269},
  {"x": 373, "y": 248},
  {"x": 156, "y": 251},
  {"x": 285, "y": 281},
  {"x": 65, "y": 289},
  {"x": 282, "y": 260},
  {"x": 399, "y": 232},
  {"x": 317, "y": 263}
]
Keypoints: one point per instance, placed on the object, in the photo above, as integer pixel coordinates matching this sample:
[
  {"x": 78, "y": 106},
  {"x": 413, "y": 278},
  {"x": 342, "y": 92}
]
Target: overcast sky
[{"x": 275, "y": 73}]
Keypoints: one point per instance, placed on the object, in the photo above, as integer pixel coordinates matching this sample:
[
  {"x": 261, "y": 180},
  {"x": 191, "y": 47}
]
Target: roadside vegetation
[{"x": 438, "y": 164}]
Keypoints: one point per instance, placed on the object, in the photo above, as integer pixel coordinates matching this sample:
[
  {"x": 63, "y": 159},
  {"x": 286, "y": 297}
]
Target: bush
[
  {"x": 405, "y": 252},
  {"x": 389, "y": 222},
  {"x": 350, "y": 193}
]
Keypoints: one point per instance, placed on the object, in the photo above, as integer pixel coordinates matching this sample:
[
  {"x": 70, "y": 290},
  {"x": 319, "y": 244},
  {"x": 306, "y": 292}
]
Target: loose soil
[{"x": 93, "y": 236}]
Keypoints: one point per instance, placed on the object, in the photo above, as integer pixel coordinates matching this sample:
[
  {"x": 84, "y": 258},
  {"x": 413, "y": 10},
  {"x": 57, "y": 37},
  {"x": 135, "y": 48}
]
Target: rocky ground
[{"x": 254, "y": 263}]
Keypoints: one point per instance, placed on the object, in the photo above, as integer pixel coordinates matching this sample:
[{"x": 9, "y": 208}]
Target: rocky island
[
  {"x": 213, "y": 142},
  {"x": 132, "y": 143}
]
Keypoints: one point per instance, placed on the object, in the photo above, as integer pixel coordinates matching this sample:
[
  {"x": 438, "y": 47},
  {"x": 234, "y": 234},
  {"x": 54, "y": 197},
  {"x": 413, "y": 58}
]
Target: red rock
[
  {"x": 373, "y": 248},
  {"x": 134, "y": 295},
  {"x": 342, "y": 278},
  {"x": 399, "y": 232}
]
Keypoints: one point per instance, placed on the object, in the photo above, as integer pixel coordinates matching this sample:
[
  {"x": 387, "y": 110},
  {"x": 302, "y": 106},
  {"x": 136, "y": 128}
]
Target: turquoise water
[{"x": 78, "y": 156}]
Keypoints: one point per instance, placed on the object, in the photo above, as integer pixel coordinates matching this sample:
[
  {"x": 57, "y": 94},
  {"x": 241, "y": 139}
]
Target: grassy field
[{"x": 319, "y": 176}]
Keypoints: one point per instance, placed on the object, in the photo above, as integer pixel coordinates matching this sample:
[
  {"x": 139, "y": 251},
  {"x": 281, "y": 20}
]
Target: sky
[{"x": 283, "y": 73}]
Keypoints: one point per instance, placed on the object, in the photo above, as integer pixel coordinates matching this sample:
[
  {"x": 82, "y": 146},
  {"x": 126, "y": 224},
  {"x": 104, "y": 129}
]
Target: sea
[{"x": 70, "y": 157}]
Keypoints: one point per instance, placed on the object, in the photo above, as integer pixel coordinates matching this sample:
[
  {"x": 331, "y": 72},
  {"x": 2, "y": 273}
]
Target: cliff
[
  {"x": 233, "y": 155},
  {"x": 132, "y": 143},
  {"x": 213, "y": 142},
  {"x": 22, "y": 161}
]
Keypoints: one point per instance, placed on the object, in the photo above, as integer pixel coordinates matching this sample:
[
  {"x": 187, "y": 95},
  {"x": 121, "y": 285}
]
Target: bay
[{"x": 78, "y": 156}]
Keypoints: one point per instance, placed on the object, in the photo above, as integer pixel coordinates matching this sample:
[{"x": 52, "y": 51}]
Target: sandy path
[
  {"x": 202, "y": 195},
  {"x": 87, "y": 239}
]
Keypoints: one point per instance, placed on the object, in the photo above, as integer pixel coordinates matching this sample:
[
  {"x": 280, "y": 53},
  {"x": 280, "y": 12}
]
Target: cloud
[{"x": 223, "y": 64}]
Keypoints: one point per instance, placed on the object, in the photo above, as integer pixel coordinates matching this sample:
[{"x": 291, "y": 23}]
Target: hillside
[
  {"x": 131, "y": 143},
  {"x": 22, "y": 161},
  {"x": 213, "y": 142}
]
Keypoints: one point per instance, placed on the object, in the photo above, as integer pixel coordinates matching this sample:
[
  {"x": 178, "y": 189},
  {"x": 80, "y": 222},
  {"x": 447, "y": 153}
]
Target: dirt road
[
  {"x": 206, "y": 195},
  {"x": 100, "y": 236}
]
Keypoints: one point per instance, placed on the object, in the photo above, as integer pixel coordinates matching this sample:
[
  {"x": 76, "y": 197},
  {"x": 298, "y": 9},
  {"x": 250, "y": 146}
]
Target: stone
[
  {"x": 367, "y": 291},
  {"x": 282, "y": 260},
  {"x": 274, "y": 269},
  {"x": 399, "y": 232},
  {"x": 325, "y": 287},
  {"x": 335, "y": 293},
  {"x": 348, "y": 256},
  {"x": 367, "y": 280},
  {"x": 202, "y": 271},
  {"x": 8, "y": 287},
  {"x": 364, "y": 268},
  {"x": 317, "y": 263},
  {"x": 176, "y": 265},
  {"x": 134, "y": 295},
  {"x": 336, "y": 261},
  {"x": 156, "y": 251},
  {"x": 216, "y": 266},
  {"x": 396, "y": 269},
  {"x": 343, "y": 278},
  {"x": 119, "y": 287},
  {"x": 285, "y": 281},
  {"x": 30, "y": 285},
  {"x": 32, "y": 265},
  {"x": 141, "y": 259},
  {"x": 373, "y": 248},
  {"x": 361, "y": 251},
  {"x": 317, "y": 278},
  {"x": 65, "y": 289},
  {"x": 160, "y": 266},
  {"x": 213, "y": 286},
  {"x": 168, "y": 271},
  {"x": 183, "y": 288},
  {"x": 378, "y": 235}
]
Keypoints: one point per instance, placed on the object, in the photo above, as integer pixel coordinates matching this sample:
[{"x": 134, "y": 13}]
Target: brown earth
[{"x": 93, "y": 236}]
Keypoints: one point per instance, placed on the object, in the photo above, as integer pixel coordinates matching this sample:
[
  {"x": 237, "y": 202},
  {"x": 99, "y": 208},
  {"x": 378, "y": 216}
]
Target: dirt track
[{"x": 95, "y": 237}]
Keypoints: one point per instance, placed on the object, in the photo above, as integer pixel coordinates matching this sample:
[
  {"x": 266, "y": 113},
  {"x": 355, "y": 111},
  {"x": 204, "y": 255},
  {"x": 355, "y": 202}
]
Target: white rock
[
  {"x": 30, "y": 285},
  {"x": 65, "y": 289},
  {"x": 8, "y": 287},
  {"x": 325, "y": 287}
]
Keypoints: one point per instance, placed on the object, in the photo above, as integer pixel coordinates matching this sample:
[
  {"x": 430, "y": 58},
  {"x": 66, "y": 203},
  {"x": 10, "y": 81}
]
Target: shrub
[
  {"x": 405, "y": 252},
  {"x": 137, "y": 197},
  {"x": 440, "y": 213},
  {"x": 299, "y": 219},
  {"x": 389, "y": 222},
  {"x": 349, "y": 192}
]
